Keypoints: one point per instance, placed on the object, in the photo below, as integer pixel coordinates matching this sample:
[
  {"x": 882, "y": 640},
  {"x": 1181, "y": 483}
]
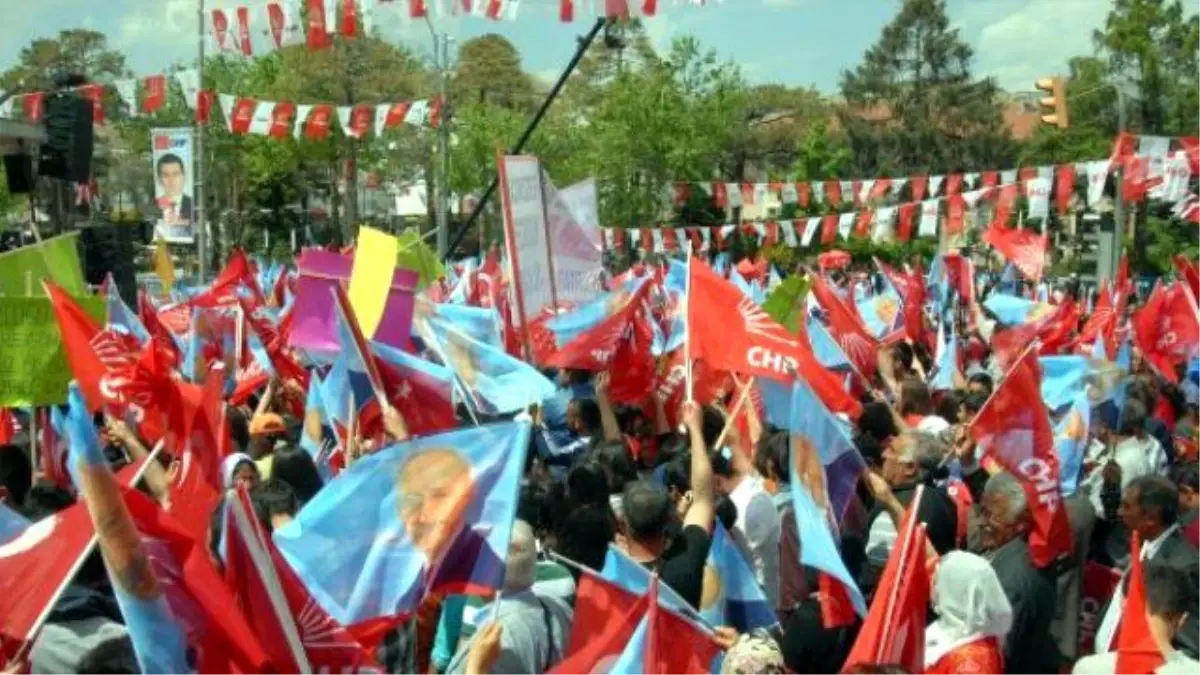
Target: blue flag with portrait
[{"x": 431, "y": 515}]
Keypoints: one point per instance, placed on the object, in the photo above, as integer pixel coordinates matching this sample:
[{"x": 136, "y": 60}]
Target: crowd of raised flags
[{"x": 425, "y": 441}]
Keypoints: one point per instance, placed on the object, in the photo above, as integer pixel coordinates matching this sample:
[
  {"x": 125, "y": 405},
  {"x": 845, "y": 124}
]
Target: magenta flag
[{"x": 315, "y": 328}]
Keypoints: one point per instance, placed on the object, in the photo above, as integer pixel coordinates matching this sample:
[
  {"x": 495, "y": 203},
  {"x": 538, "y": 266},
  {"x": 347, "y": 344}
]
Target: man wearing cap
[{"x": 266, "y": 429}]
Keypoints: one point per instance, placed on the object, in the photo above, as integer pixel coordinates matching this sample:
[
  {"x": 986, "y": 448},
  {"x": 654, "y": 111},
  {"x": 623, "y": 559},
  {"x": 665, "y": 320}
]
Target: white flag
[
  {"x": 1097, "y": 176},
  {"x": 818, "y": 191},
  {"x": 302, "y": 112},
  {"x": 226, "y": 103},
  {"x": 1038, "y": 192},
  {"x": 788, "y": 227},
  {"x": 1008, "y": 176},
  {"x": 1176, "y": 175},
  {"x": 971, "y": 179},
  {"x": 189, "y": 82},
  {"x": 929, "y": 218},
  {"x": 898, "y": 185},
  {"x": 705, "y": 238},
  {"x": 381, "y": 115},
  {"x": 846, "y": 224},
  {"x": 260, "y": 122},
  {"x": 657, "y": 238},
  {"x": 1154, "y": 146},
  {"x": 418, "y": 113},
  {"x": 810, "y": 230},
  {"x": 885, "y": 218},
  {"x": 127, "y": 90},
  {"x": 788, "y": 194},
  {"x": 343, "y": 115},
  {"x": 935, "y": 185},
  {"x": 864, "y": 189},
  {"x": 733, "y": 194}
]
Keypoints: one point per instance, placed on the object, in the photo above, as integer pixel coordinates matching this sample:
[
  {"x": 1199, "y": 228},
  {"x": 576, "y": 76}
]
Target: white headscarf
[
  {"x": 230, "y": 464},
  {"x": 970, "y": 604}
]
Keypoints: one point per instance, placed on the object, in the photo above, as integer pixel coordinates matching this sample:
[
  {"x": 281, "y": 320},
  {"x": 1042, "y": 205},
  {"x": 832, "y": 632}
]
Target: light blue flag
[
  {"x": 481, "y": 323},
  {"x": 432, "y": 515},
  {"x": 496, "y": 382},
  {"x": 121, "y": 318},
  {"x": 1009, "y": 309},
  {"x": 777, "y": 400},
  {"x": 1063, "y": 378},
  {"x": 1009, "y": 281},
  {"x": 739, "y": 600},
  {"x": 840, "y": 465},
  {"x": 1071, "y": 441},
  {"x": 621, "y": 570},
  {"x": 158, "y": 641},
  {"x": 749, "y": 289},
  {"x": 882, "y": 313},
  {"x": 632, "y": 660},
  {"x": 946, "y": 361},
  {"x": 11, "y": 524},
  {"x": 827, "y": 350},
  {"x": 320, "y": 449}
]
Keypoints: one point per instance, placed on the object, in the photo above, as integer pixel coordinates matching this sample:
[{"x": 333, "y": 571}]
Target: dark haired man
[{"x": 176, "y": 206}]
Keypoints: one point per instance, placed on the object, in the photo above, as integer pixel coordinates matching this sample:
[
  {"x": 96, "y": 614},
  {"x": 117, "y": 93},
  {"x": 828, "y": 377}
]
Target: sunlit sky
[{"x": 795, "y": 42}]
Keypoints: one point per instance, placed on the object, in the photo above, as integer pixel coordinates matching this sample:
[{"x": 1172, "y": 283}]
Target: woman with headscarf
[
  {"x": 974, "y": 617},
  {"x": 239, "y": 469}
]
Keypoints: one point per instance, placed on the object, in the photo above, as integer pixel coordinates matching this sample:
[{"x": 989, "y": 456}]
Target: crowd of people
[{"x": 657, "y": 486}]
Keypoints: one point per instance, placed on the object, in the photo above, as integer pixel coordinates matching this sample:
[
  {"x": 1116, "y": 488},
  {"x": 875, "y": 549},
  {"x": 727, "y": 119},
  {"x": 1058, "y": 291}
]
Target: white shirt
[
  {"x": 1137, "y": 457},
  {"x": 759, "y": 523},
  {"x": 1107, "y": 631}
]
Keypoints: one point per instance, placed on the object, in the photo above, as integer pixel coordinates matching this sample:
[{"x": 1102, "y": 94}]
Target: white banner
[
  {"x": 1038, "y": 191},
  {"x": 171, "y": 155},
  {"x": 525, "y": 237}
]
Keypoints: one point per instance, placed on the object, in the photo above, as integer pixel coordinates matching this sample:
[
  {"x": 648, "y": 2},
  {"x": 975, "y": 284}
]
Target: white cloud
[{"x": 1033, "y": 39}]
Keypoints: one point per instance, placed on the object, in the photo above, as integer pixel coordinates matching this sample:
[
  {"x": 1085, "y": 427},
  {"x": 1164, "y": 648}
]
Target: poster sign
[
  {"x": 575, "y": 253},
  {"x": 525, "y": 237},
  {"x": 33, "y": 365},
  {"x": 22, "y": 270},
  {"x": 171, "y": 154}
]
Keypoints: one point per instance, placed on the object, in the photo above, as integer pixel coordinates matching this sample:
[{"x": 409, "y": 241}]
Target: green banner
[
  {"x": 56, "y": 259},
  {"x": 33, "y": 366}
]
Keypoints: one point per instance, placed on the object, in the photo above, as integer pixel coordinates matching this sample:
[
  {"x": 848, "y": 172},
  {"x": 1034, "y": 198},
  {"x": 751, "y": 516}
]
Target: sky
[{"x": 793, "y": 42}]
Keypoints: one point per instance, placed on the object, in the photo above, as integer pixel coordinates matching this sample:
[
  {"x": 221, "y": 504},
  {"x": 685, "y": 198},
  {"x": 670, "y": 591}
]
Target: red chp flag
[
  {"x": 1025, "y": 249},
  {"x": 1013, "y": 428},
  {"x": 1165, "y": 329},
  {"x": 731, "y": 332},
  {"x": 1137, "y": 650},
  {"x": 79, "y": 330}
]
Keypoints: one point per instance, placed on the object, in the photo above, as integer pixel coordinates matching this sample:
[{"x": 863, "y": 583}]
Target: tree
[
  {"x": 80, "y": 51},
  {"x": 489, "y": 71},
  {"x": 912, "y": 105},
  {"x": 1152, "y": 46}
]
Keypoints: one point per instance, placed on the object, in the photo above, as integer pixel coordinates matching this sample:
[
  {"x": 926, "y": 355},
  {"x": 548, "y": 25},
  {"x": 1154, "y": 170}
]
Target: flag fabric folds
[
  {"x": 733, "y": 596},
  {"x": 432, "y": 515}
]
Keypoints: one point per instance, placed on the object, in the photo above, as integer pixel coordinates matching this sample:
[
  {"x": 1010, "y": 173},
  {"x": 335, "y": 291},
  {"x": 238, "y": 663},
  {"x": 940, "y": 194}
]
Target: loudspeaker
[
  {"x": 67, "y": 152},
  {"x": 109, "y": 249},
  {"x": 19, "y": 171}
]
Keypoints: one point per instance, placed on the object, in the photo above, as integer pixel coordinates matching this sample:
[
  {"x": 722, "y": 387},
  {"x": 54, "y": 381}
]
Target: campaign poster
[{"x": 171, "y": 157}]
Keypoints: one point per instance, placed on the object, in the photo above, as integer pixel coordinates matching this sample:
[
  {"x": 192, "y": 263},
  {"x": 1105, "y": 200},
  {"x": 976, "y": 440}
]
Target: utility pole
[
  {"x": 441, "y": 61},
  {"x": 198, "y": 154}
]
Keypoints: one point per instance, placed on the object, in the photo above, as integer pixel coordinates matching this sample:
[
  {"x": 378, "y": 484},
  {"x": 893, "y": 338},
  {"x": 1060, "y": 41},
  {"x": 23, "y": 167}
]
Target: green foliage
[
  {"x": 786, "y": 304},
  {"x": 912, "y": 106}
]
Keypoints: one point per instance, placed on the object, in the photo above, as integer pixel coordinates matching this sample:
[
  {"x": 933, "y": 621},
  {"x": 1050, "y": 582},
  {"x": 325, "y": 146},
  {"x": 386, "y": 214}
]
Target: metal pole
[
  {"x": 1119, "y": 200},
  {"x": 198, "y": 202},
  {"x": 443, "y": 207},
  {"x": 529, "y": 128}
]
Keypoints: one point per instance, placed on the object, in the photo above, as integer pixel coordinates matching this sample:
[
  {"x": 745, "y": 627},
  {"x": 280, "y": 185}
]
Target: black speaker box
[
  {"x": 67, "y": 152},
  {"x": 18, "y": 169},
  {"x": 109, "y": 249}
]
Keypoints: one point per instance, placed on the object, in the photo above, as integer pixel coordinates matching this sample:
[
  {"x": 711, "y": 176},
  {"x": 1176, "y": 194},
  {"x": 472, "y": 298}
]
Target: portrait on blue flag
[
  {"x": 731, "y": 596},
  {"x": 432, "y": 515}
]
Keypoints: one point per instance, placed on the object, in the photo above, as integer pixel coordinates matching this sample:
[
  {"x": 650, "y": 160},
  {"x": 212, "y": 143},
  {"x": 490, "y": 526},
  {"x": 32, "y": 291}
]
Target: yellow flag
[
  {"x": 163, "y": 266},
  {"x": 371, "y": 278}
]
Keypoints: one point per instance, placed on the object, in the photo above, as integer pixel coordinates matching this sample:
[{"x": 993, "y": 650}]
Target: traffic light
[{"x": 1054, "y": 105}]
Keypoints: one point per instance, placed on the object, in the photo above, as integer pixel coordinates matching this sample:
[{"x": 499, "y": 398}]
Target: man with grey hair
[
  {"x": 915, "y": 458},
  {"x": 534, "y": 625},
  {"x": 1004, "y": 525}
]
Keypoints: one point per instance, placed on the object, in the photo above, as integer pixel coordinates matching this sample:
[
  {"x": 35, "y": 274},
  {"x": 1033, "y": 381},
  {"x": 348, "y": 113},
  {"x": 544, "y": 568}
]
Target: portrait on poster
[{"x": 171, "y": 156}]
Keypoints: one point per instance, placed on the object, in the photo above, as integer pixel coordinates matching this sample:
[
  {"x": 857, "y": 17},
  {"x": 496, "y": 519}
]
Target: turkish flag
[
  {"x": 281, "y": 119},
  {"x": 154, "y": 93},
  {"x": 318, "y": 34},
  {"x": 1014, "y": 429},
  {"x": 242, "y": 115},
  {"x": 317, "y": 124},
  {"x": 34, "y": 568},
  {"x": 846, "y": 327},
  {"x": 751, "y": 342}
]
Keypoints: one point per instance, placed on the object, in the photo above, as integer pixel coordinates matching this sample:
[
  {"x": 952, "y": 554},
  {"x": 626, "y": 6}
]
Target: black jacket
[{"x": 1030, "y": 646}]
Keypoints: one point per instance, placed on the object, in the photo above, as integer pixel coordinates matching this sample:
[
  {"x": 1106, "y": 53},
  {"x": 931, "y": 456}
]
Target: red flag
[
  {"x": 1102, "y": 323},
  {"x": 566, "y": 11},
  {"x": 349, "y": 23},
  {"x": 603, "y": 625},
  {"x": 215, "y": 628},
  {"x": 296, "y": 631},
  {"x": 918, "y": 184},
  {"x": 674, "y": 644},
  {"x": 904, "y": 221},
  {"x": 1122, "y": 148},
  {"x": 33, "y": 105},
  {"x": 1121, "y": 284},
  {"x": 1004, "y": 205},
  {"x": 1064, "y": 187},
  {"x": 1137, "y": 651},
  {"x": 204, "y": 103},
  {"x": 1025, "y": 249},
  {"x": 956, "y": 212},
  {"x": 595, "y": 348},
  {"x": 317, "y": 124},
  {"x": 79, "y": 330},
  {"x": 154, "y": 93},
  {"x": 894, "y": 629},
  {"x": 953, "y": 184},
  {"x": 1014, "y": 429},
  {"x": 53, "y": 455},
  {"x": 35, "y": 567},
  {"x": 1189, "y": 273},
  {"x": 914, "y": 304},
  {"x": 318, "y": 34},
  {"x": 281, "y": 119},
  {"x": 192, "y": 499},
  {"x": 242, "y": 115},
  {"x": 1165, "y": 329},
  {"x": 417, "y": 9},
  {"x": 846, "y": 327},
  {"x": 8, "y": 426},
  {"x": 1095, "y": 589},
  {"x": 95, "y": 94},
  {"x": 752, "y": 342},
  {"x": 829, "y": 229},
  {"x": 243, "y": 27},
  {"x": 833, "y": 192}
]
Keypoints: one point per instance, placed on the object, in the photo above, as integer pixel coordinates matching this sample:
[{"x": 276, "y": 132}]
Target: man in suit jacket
[
  {"x": 1150, "y": 507},
  {"x": 1005, "y": 523},
  {"x": 174, "y": 204},
  {"x": 1082, "y": 517}
]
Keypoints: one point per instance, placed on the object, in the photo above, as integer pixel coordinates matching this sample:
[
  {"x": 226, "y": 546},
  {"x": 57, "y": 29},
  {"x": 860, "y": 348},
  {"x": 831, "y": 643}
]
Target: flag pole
[
  {"x": 737, "y": 409},
  {"x": 198, "y": 156},
  {"x": 687, "y": 326}
]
